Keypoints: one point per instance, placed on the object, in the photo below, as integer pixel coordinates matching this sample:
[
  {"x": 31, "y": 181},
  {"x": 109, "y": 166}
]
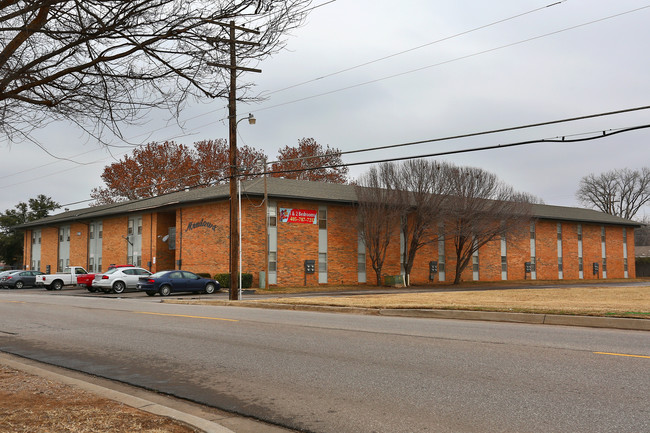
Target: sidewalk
[{"x": 96, "y": 405}]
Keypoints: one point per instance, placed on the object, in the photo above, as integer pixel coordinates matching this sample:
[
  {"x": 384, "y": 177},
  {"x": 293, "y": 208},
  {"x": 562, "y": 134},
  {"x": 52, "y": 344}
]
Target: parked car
[
  {"x": 68, "y": 277},
  {"x": 87, "y": 280},
  {"x": 166, "y": 282},
  {"x": 19, "y": 279},
  {"x": 117, "y": 279},
  {"x": 7, "y": 272}
]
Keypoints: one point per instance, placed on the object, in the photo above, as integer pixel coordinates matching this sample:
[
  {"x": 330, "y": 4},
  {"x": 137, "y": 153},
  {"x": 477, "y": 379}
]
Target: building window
[
  {"x": 273, "y": 217},
  {"x": 130, "y": 228},
  {"x": 322, "y": 262},
  {"x": 504, "y": 264},
  {"x": 361, "y": 262},
  {"x": 579, "y": 232},
  {"x": 273, "y": 261},
  {"x": 602, "y": 234},
  {"x": 91, "y": 231},
  {"x": 559, "y": 231},
  {"x": 171, "y": 241},
  {"x": 59, "y": 267},
  {"x": 625, "y": 264},
  {"x": 580, "y": 264},
  {"x": 559, "y": 264},
  {"x": 532, "y": 231},
  {"x": 61, "y": 231},
  {"x": 604, "y": 264},
  {"x": 322, "y": 219},
  {"x": 533, "y": 267},
  {"x": 101, "y": 230}
]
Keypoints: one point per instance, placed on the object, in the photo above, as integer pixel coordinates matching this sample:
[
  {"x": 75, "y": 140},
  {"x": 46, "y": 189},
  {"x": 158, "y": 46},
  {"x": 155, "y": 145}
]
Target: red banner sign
[{"x": 301, "y": 216}]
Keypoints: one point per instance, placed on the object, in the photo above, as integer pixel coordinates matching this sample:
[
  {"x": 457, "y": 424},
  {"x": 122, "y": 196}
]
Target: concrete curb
[
  {"x": 129, "y": 400},
  {"x": 492, "y": 316}
]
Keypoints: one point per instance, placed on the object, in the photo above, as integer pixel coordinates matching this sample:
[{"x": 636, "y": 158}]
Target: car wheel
[
  {"x": 151, "y": 293},
  {"x": 19, "y": 284},
  {"x": 118, "y": 287},
  {"x": 165, "y": 290},
  {"x": 209, "y": 288},
  {"x": 91, "y": 289},
  {"x": 57, "y": 285}
]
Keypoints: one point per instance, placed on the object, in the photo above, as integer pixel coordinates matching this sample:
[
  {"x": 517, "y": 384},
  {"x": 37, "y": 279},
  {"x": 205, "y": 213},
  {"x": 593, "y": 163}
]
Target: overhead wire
[
  {"x": 563, "y": 139},
  {"x": 471, "y": 55},
  {"x": 490, "y": 50},
  {"x": 390, "y": 56}
]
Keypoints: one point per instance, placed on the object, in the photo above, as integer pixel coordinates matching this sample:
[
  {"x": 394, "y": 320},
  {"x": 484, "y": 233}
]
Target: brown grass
[
  {"x": 34, "y": 404},
  {"x": 598, "y": 301}
]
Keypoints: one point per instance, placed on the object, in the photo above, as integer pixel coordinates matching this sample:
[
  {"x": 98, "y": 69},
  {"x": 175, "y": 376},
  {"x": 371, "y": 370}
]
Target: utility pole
[{"x": 234, "y": 293}]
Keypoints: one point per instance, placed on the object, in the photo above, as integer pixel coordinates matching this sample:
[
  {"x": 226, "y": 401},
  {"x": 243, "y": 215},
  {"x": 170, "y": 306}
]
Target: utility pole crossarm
[{"x": 236, "y": 68}]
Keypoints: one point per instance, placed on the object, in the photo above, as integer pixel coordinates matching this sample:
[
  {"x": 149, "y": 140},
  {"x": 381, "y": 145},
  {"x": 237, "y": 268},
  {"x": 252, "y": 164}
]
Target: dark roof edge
[{"x": 289, "y": 189}]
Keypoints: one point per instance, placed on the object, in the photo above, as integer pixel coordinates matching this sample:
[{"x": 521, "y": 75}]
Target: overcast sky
[{"x": 575, "y": 58}]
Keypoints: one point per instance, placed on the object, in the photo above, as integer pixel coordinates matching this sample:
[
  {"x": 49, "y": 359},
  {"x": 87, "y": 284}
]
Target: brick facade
[{"x": 202, "y": 245}]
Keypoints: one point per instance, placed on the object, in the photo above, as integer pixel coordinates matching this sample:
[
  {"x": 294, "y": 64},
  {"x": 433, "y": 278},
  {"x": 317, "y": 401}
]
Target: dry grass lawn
[
  {"x": 32, "y": 404},
  {"x": 625, "y": 301}
]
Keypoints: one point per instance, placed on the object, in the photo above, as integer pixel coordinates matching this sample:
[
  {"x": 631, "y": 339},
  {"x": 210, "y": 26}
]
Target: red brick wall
[
  {"x": 114, "y": 246},
  {"x": 490, "y": 261},
  {"x": 49, "y": 248},
  {"x": 518, "y": 252},
  {"x": 570, "y": 251},
  {"x": 203, "y": 247},
  {"x": 591, "y": 250},
  {"x": 253, "y": 238},
  {"x": 342, "y": 245},
  {"x": 79, "y": 245},
  {"x": 546, "y": 250},
  {"x": 296, "y": 243}
]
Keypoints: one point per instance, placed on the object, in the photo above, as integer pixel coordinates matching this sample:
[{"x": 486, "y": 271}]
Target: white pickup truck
[{"x": 56, "y": 281}]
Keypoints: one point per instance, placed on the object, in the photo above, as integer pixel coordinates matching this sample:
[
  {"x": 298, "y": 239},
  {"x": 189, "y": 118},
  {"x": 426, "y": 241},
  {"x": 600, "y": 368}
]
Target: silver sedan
[{"x": 116, "y": 280}]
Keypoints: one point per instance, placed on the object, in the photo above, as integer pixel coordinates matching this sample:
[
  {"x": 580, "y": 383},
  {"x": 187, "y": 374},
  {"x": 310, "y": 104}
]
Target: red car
[{"x": 87, "y": 279}]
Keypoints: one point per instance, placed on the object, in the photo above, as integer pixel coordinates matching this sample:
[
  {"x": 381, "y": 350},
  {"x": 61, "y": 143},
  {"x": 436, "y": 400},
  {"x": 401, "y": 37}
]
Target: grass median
[{"x": 607, "y": 301}]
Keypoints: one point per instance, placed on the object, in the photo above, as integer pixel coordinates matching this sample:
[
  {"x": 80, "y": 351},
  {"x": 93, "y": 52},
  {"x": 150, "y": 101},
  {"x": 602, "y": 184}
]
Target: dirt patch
[
  {"x": 625, "y": 301},
  {"x": 33, "y": 404}
]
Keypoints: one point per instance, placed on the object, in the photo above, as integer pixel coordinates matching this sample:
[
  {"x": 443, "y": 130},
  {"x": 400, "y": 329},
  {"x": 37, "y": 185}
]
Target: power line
[
  {"x": 479, "y": 133},
  {"x": 365, "y": 83},
  {"x": 600, "y": 135},
  {"x": 417, "y": 47}
]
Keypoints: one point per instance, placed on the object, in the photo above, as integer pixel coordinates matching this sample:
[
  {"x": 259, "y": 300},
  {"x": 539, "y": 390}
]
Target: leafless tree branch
[{"x": 104, "y": 63}]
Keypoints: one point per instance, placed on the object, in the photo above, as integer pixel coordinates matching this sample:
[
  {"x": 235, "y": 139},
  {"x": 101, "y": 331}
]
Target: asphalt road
[{"x": 322, "y": 372}]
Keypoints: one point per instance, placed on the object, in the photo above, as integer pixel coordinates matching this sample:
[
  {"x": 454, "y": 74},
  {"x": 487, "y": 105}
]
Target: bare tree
[
  {"x": 618, "y": 192},
  {"x": 422, "y": 189},
  {"x": 378, "y": 214},
  {"x": 481, "y": 209},
  {"x": 99, "y": 63},
  {"x": 642, "y": 234}
]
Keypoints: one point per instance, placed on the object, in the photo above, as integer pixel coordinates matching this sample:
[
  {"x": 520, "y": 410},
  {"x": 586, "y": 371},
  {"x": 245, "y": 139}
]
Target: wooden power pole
[{"x": 232, "y": 123}]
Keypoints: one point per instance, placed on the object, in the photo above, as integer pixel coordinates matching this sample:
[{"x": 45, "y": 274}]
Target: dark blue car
[{"x": 166, "y": 282}]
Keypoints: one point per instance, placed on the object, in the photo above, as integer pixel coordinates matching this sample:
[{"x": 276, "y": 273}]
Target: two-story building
[{"x": 287, "y": 222}]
